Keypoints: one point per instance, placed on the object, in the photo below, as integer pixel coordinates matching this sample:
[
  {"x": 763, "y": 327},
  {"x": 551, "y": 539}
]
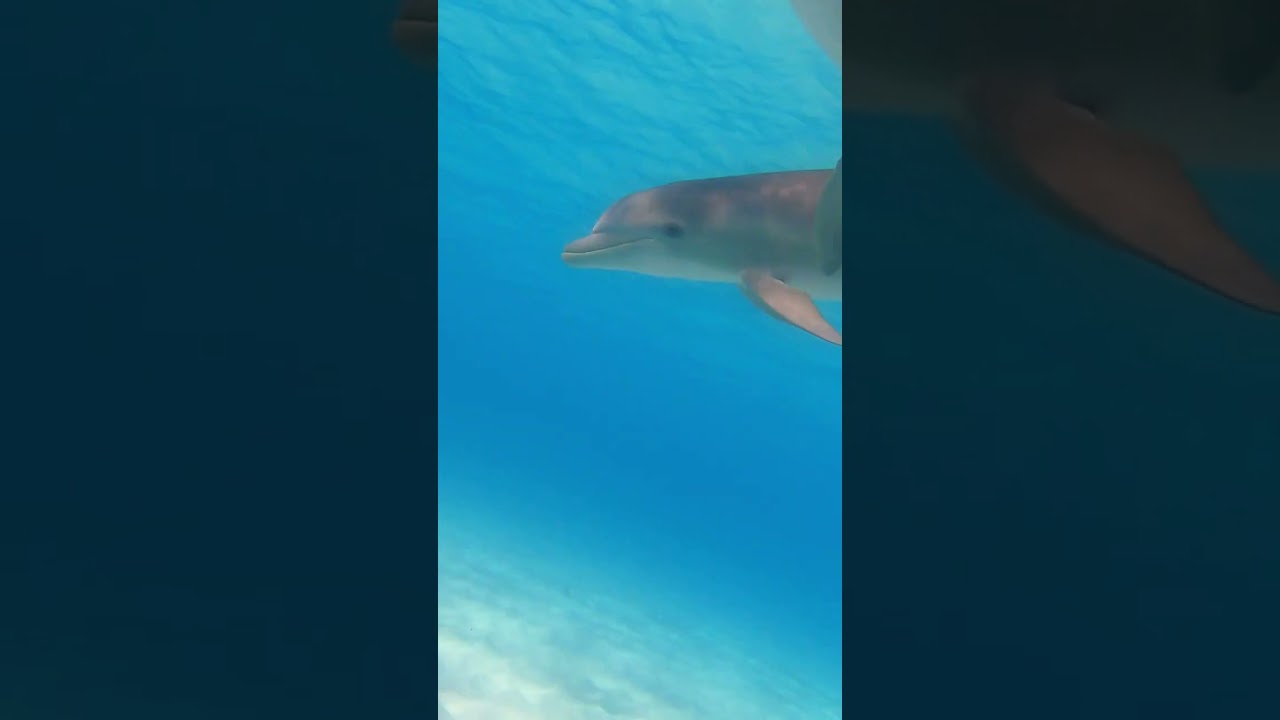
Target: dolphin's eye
[{"x": 672, "y": 230}]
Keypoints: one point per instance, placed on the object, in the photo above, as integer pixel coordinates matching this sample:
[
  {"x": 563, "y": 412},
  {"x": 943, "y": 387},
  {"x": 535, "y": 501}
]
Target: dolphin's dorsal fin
[{"x": 787, "y": 304}]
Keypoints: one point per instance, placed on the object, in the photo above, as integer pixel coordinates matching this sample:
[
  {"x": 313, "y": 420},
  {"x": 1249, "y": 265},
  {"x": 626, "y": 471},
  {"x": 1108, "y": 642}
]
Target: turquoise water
[
  {"x": 1060, "y": 495},
  {"x": 639, "y": 478}
]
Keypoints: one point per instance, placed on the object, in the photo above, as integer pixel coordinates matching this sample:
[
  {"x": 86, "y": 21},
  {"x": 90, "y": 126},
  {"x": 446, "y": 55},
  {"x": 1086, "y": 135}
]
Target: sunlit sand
[{"x": 521, "y": 643}]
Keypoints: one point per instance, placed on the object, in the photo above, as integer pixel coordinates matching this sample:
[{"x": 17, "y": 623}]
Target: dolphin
[
  {"x": 753, "y": 230},
  {"x": 415, "y": 31},
  {"x": 1088, "y": 108}
]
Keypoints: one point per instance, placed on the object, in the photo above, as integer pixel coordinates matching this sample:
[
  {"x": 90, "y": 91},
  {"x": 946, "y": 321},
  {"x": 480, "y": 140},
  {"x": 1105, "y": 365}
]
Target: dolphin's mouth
[{"x": 594, "y": 244}]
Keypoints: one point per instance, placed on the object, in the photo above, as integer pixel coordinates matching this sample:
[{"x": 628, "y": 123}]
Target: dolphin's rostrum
[{"x": 755, "y": 230}]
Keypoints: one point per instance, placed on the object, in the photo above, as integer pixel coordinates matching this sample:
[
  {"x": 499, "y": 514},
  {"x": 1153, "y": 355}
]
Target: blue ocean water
[
  {"x": 1062, "y": 459},
  {"x": 215, "y": 493},
  {"x": 639, "y": 478}
]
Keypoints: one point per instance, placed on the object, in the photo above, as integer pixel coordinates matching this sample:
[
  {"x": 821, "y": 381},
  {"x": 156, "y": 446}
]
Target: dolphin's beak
[
  {"x": 415, "y": 30},
  {"x": 579, "y": 250}
]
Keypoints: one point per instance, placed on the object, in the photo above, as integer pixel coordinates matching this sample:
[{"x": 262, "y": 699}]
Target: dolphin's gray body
[
  {"x": 1200, "y": 76},
  {"x": 1092, "y": 104},
  {"x": 754, "y": 230}
]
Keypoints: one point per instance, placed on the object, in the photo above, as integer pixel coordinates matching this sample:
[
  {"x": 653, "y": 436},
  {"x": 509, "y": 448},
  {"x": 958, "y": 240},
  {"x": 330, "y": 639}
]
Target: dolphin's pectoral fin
[
  {"x": 999, "y": 162},
  {"x": 787, "y": 304},
  {"x": 828, "y": 222},
  {"x": 1134, "y": 191}
]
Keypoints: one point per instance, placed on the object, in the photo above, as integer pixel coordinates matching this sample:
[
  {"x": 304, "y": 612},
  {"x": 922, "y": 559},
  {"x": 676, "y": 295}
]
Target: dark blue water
[
  {"x": 217, "y": 498},
  {"x": 1066, "y": 459}
]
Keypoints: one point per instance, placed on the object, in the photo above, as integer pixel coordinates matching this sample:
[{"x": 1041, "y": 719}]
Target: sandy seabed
[{"x": 518, "y": 642}]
